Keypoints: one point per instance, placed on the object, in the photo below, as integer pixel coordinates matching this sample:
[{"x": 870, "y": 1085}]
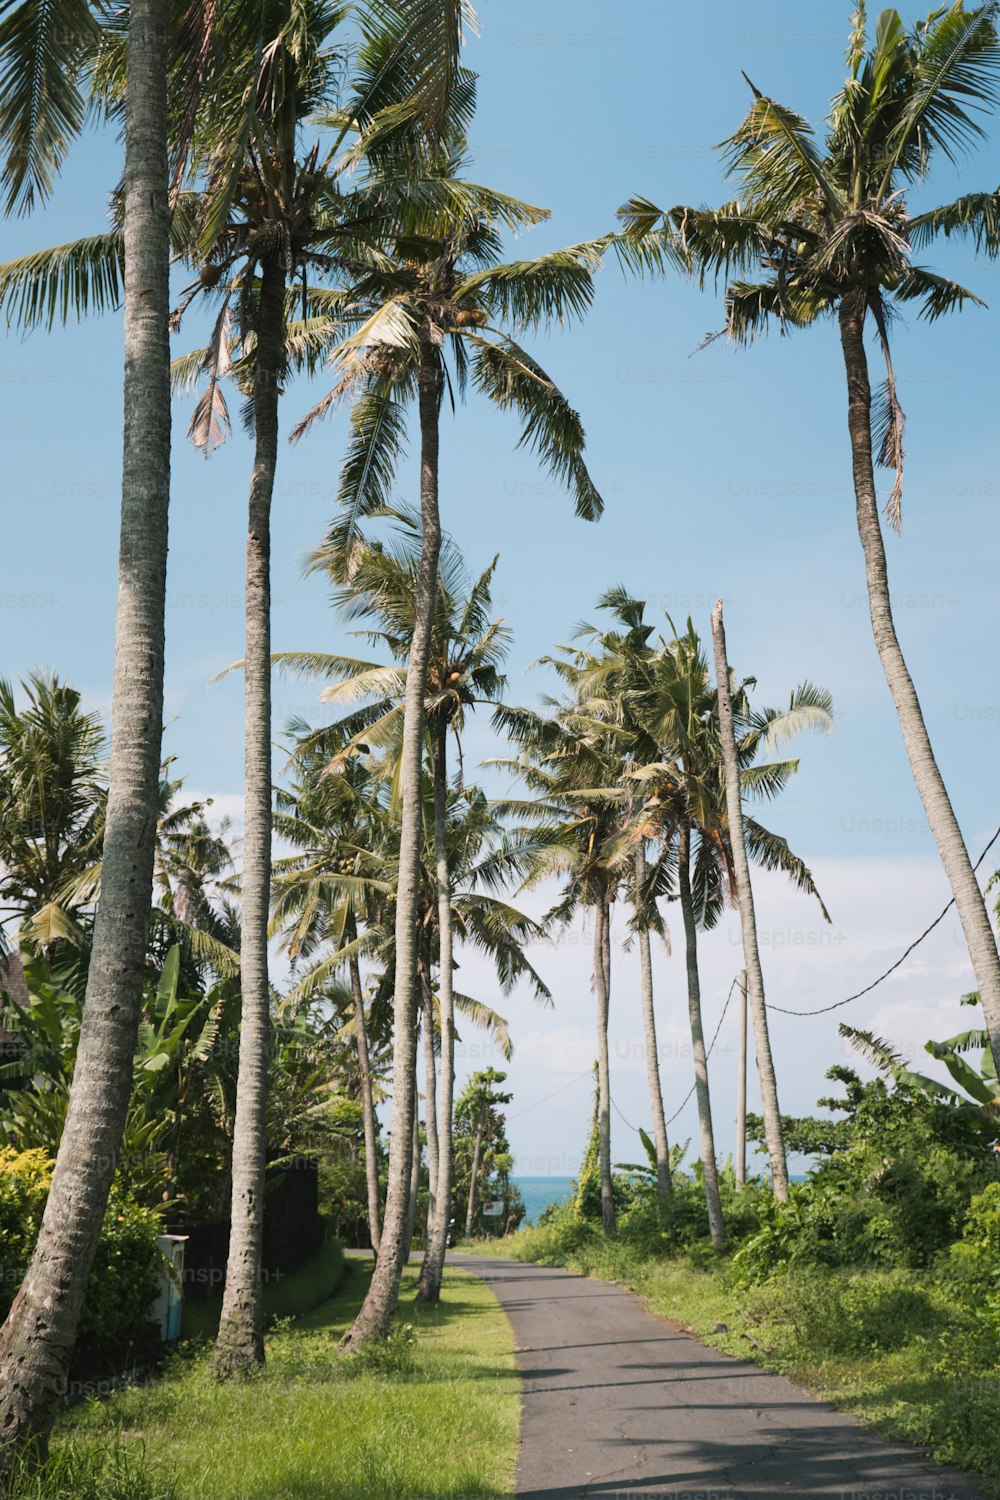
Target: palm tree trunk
[
  {"x": 367, "y": 1099},
  {"x": 477, "y": 1152},
  {"x": 663, "y": 1183},
  {"x": 602, "y": 987},
  {"x": 430, "y": 1094},
  {"x": 432, "y": 1270},
  {"x": 741, "y": 1092},
  {"x": 383, "y": 1292},
  {"x": 968, "y": 897},
  {"x": 748, "y": 921},
  {"x": 37, "y": 1339},
  {"x": 240, "y": 1343},
  {"x": 716, "y": 1223},
  {"x": 411, "y": 1207}
]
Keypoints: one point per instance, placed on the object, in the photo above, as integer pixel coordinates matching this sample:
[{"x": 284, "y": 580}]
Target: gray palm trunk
[
  {"x": 773, "y": 1132},
  {"x": 411, "y": 1207},
  {"x": 37, "y": 1339},
  {"x": 240, "y": 1343},
  {"x": 430, "y": 1093},
  {"x": 663, "y": 1184},
  {"x": 367, "y": 1100},
  {"x": 741, "y": 1092},
  {"x": 602, "y": 990},
  {"x": 716, "y": 1223},
  {"x": 383, "y": 1292},
  {"x": 477, "y": 1156},
  {"x": 429, "y": 1289},
  {"x": 968, "y": 897}
]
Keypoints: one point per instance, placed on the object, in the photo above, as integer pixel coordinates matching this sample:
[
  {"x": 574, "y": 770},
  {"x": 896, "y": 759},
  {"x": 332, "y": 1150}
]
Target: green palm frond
[
  {"x": 937, "y": 295},
  {"x": 550, "y": 288},
  {"x": 512, "y": 380},
  {"x": 773, "y": 151},
  {"x": 44, "y": 48},
  {"x": 956, "y": 77},
  {"x": 974, "y": 215},
  {"x": 73, "y": 280}
]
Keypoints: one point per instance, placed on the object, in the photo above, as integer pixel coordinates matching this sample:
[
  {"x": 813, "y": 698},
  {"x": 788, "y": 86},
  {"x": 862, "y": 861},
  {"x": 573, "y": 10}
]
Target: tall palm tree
[
  {"x": 608, "y": 675},
  {"x": 38, "y": 1336},
  {"x": 437, "y": 287},
  {"x": 809, "y": 711},
  {"x": 260, "y": 221},
  {"x": 826, "y": 230},
  {"x": 685, "y": 796}
]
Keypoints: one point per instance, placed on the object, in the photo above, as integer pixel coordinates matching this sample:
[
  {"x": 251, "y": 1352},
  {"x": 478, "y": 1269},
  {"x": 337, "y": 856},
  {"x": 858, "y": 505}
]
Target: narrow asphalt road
[{"x": 619, "y": 1404}]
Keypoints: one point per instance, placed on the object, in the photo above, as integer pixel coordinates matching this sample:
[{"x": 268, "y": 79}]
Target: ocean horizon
[{"x": 539, "y": 1192}]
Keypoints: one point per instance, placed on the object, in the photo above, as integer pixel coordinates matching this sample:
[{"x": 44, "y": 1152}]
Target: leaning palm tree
[
  {"x": 437, "y": 287},
  {"x": 37, "y": 1339},
  {"x": 827, "y": 230},
  {"x": 260, "y": 223}
]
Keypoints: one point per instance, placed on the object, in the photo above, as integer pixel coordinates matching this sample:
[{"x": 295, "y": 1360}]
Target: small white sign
[{"x": 493, "y": 1208}]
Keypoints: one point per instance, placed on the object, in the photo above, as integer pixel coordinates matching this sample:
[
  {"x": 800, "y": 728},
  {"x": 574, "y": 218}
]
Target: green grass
[
  {"x": 434, "y": 1413},
  {"x": 892, "y": 1347}
]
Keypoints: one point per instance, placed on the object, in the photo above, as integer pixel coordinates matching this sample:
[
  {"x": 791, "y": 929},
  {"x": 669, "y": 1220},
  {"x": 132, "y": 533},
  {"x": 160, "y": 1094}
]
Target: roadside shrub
[
  {"x": 843, "y": 1313},
  {"x": 123, "y": 1281},
  {"x": 897, "y": 1196},
  {"x": 973, "y": 1263}
]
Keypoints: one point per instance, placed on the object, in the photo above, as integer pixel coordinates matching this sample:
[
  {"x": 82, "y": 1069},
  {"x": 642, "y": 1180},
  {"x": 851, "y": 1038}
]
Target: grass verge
[
  {"x": 433, "y": 1414},
  {"x": 888, "y": 1346}
]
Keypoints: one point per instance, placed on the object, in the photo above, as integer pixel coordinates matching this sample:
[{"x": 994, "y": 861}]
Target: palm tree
[
  {"x": 52, "y": 801},
  {"x": 827, "y": 231},
  {"x": 261, "y": 223},
  {"x": 608, "y": 674},
  {"x": 685, "y": 798},
  {"x": 436, "y": 287},
  {"x": 810, "y": 710},
  {"x": 37, "y": 1338}
]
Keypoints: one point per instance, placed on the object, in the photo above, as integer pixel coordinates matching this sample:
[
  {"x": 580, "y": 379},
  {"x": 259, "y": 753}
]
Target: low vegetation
[{"x": 430, "y": 1412}]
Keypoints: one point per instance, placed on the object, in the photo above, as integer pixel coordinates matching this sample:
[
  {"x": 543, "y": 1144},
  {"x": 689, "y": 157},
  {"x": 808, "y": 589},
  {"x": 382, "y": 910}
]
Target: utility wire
[
  {"x": 823, "y": 1009},
  {"x": 708, "y": 1054},
  {"x": 588, "y": 1073},
  {"x": 783, "y": 1010}
]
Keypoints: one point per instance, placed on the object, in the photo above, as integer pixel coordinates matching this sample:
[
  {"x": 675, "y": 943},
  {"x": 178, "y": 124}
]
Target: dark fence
[{"x": 293, "y": 1233}]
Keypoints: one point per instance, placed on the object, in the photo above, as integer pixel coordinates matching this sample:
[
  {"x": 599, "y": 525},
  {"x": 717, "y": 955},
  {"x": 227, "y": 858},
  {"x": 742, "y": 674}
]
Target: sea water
[{"x": 539, "y": 1192}]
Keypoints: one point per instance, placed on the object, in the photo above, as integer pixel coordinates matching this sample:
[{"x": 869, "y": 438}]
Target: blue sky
[{"x": 724, "y": 472}]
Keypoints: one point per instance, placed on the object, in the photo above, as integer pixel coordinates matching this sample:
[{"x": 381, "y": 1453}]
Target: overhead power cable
[{"x": 823, "y": 1009}]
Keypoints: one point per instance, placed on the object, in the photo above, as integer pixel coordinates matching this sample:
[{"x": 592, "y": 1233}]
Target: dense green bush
[
  {"x": 973, "y": 1264},
  {"x": 896, "y": 1195},
  {"x": 123, "y": 1283}
]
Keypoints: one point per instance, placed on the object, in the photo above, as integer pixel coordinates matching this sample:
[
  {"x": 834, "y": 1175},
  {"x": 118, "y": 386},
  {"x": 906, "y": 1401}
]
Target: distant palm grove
[{"x": 201, "y": 1022}]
